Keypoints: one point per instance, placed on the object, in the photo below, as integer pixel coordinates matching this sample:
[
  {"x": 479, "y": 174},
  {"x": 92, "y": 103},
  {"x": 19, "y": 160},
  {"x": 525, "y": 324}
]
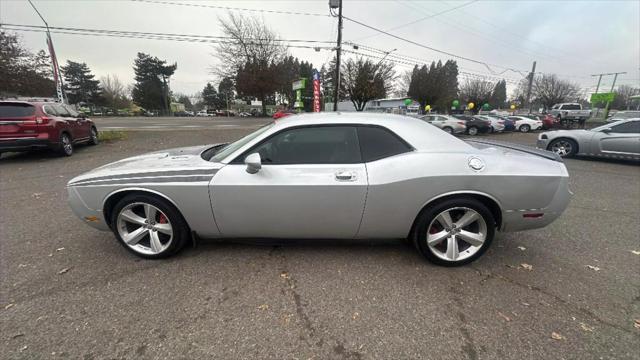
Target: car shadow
[
  {"x": 585, "y": 158},
  {"x": 35, "y": 155}
]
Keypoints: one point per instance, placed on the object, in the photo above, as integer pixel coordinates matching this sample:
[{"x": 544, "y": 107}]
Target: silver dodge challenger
[
  {"x": 619, "y": 139},
  {"x": 328, "y": 176}
]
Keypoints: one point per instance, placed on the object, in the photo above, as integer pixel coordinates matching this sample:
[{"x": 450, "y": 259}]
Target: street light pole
[
  {"x": 338, "y": 51},
  {"x": 54, "y": 61}
]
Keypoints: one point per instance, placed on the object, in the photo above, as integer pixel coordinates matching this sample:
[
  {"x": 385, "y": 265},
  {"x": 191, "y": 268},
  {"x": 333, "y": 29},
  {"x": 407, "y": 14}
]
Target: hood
[{"x": 171, "y": 162}]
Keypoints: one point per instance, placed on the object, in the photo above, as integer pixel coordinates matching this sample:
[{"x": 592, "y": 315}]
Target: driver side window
[
  {"x": 311, "y": 145},
  {"x": 631, "y": 127}
]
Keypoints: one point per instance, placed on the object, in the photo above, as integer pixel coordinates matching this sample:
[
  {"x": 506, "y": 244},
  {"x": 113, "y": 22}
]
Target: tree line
[{"x": 254, "y": 65}]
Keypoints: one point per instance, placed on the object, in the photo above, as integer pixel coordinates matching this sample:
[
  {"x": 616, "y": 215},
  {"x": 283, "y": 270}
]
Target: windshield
[{"x": 229, "y": 149}]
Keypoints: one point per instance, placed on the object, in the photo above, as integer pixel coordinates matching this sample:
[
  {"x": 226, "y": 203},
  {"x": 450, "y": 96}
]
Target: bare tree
[
  {"x": 549, "y": 90},
  {"x": 476, "y": 91},
  {"x": 251, "y": 40},
  {"x": 622, "y": 100},
  {"x": 402, "y": 84},
  {"x": 114, "y": 92}
]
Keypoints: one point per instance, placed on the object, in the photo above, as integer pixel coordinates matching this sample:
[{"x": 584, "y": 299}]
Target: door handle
[{"x": 345, "y": 176}]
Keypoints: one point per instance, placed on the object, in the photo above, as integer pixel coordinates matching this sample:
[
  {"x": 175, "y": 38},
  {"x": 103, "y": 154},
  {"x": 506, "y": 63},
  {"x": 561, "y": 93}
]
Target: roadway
[{"x": 178, "y": 123}]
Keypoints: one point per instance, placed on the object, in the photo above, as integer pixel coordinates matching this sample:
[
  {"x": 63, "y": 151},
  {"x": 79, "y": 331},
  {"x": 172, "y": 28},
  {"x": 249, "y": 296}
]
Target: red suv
[{"x": 28, "y": 125}]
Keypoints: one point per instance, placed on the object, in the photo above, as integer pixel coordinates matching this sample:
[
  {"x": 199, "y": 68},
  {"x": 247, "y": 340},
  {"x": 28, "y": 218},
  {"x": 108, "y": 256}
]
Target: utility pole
[
  {"x": 332, "y": 5},
  {"x": 531, "y": 74},
  {"x": 57, "y": 77},
  {"x": 615, "y": 77}
]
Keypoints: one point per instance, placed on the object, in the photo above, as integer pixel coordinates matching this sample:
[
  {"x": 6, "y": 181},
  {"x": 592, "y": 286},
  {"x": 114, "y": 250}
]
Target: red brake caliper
[{"x": 163, "y": 219}]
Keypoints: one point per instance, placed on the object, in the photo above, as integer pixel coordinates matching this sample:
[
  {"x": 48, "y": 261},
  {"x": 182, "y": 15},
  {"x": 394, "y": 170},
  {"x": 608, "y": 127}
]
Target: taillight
[
  {"x": 461, "y": 123},
  {"x": 42, "y": 120}
]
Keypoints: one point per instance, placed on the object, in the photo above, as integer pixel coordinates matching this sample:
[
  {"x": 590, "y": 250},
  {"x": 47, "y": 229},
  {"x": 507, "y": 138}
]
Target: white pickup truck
[{"x": 570, "y": 112}]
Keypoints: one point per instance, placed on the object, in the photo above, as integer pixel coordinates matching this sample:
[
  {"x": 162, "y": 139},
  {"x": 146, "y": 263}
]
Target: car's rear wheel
[
  {"x": 525, "y": 128},
  {"x": 65, "y": 148},
  {"x": 94, "y": 140},
  {"x": 454, "y": 232},
  {"x": 472, "y": 131},
  {"x": 563, "y": 147},
  {"x": 448, "y": 130},
  {"x": 149, "y": 226}
]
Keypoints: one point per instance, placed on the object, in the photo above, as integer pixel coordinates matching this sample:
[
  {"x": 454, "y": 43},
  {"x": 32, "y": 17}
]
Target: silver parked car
[
  {"x": 328, "y": 176},
  {"x": 449, "y": 124},
  {"x": 620, "y": 139}
]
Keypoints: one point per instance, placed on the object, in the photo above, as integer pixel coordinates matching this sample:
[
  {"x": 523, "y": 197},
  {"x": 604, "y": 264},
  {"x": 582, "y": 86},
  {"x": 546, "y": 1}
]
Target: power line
[
  {"x": 422, "y": 19},
  {"x": 231, "y": 8},
  {"x": 156, "y": 37},
  {"x": 434, "y": 49},
  {"x": 158, "y": 34}
]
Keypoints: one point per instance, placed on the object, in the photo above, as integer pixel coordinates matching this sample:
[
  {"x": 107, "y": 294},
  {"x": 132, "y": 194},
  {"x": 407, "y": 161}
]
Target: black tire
[
  {"x": 570, "y": 144},
  {"x": 472, "y": 130},
  {"x": 448, "y": 130},
  {"x": 428, "y": 215},
  {"x": 94, "y": 140},
  {"x": 181, "y": 232},
  {"x": 524, "y": 128},
  {"x": 65, "y": 147}
]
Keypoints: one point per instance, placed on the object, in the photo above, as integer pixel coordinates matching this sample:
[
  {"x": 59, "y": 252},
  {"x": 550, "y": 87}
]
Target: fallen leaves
[
  {"x": 63, "y": 271},
  {"x": 36, "y": 195},
  {"x": 284, "y": 275},
  {"x": 636, "y": 323},
  {"x": 556, "y": 336},
  {"x": 9, "y": 306},
  {"x": 594, "y": 268},
  {"x": 526, "y": 266},
  {"x": 505, "y": 317},
  {"x": 355, "y": 316},
  {"x": 263, "y": 307},
  {"x": 586, "y": 327}
]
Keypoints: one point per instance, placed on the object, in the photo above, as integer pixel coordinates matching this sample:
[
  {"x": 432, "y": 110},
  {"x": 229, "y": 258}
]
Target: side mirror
[
  {"x": 606, "y": 131},
  {"x": 253, "y": 162}
]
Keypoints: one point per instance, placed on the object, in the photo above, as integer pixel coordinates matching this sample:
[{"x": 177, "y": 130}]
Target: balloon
[
  {"x": 456, "y": 103},
  {"x": 471, "y": 105},
  {"x": 427, "y": 108},
  {"x": 408, "y": 102},
  {"x": 513, "y": 107}
]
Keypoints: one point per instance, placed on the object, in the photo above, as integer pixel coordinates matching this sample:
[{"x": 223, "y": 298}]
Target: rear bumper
[
  {"x": 515, "y": 220},
  {"x": 24, "y": 144}
]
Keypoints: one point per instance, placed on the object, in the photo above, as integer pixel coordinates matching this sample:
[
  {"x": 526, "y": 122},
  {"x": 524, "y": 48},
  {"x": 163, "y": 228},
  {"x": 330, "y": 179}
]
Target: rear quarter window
[
  {"x": 378, "y": 143},
  {"x": 11, "y": 110}
]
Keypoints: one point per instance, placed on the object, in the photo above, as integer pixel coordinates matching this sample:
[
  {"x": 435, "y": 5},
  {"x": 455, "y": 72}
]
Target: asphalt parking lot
[{"x": 69, "y": 291}]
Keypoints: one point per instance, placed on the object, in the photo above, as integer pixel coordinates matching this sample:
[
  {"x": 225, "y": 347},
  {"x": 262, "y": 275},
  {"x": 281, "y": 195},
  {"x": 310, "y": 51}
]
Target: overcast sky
[{"x": 573, "y": 39}]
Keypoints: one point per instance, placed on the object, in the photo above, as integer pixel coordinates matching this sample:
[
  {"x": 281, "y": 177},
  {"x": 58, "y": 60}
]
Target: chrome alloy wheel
[
  {"x": 562, "y": 147},
  {"x": 66, "y": 144},
  {"x": 144, "y": 228},
  {"x": 456, "y": 234}
]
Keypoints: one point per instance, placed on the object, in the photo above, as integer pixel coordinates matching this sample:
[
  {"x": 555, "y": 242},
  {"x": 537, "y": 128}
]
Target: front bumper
[
  {"x": 92, "y": 217},
  {"x": 542, "y": 144}
]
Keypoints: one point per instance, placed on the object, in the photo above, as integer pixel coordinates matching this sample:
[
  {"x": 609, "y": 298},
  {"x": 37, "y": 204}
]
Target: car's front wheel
[
  {"x": 472, "y": 131},
  {"x": 563, "y": 147},
  {"x": 149, "y": 226},
  {"x": 454, "y": 232},
  {"x": 525, "y": 128},
  {"x": 448, "y": 130}
]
